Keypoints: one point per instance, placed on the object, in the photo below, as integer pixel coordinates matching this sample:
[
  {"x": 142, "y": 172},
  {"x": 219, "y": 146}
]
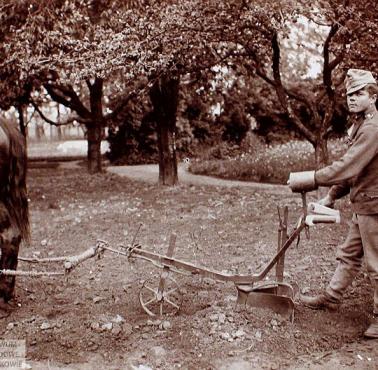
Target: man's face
[{"x": 359, "y": 101}]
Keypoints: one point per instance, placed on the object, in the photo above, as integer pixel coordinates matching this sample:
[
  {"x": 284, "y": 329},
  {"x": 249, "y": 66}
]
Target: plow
[{"x": 164, "y": 296}]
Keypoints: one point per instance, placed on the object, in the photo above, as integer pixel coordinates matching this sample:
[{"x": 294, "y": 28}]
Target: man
[
  {"x": 355, "y": 173},
  {"x": 14, "y": 220}
]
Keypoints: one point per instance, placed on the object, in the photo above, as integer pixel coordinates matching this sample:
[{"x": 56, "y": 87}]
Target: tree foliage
[{"x": 67, "y": 42}]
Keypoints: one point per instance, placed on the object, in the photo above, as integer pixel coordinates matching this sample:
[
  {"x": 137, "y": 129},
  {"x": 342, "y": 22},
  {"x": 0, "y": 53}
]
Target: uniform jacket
[{"x": 357, "y": 170}]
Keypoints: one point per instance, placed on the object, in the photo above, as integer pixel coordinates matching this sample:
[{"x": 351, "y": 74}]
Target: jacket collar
[{"x": 352, "y": 131}]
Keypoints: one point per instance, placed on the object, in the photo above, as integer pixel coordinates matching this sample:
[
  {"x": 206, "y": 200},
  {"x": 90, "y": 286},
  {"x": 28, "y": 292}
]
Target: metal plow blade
[{"x": 277, "y": 297}]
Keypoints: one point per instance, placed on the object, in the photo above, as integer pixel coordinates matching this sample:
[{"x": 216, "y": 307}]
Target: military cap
[{"x": 357, "y": 79}]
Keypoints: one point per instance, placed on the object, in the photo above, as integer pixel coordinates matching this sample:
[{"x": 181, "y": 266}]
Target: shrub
[
  {"x": 266, "y": 164},
  {"x": 133, "y": 142}
]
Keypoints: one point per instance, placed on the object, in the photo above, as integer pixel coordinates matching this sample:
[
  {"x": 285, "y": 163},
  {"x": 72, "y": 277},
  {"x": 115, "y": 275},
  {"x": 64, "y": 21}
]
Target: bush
[
  {"x": 267, "y": 163},
  {"x": 133, "y": 141}
]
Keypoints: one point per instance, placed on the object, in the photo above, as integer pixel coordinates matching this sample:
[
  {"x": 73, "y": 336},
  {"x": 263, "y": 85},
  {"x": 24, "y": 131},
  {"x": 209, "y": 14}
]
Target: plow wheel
[{"x": 160, "y": 299}]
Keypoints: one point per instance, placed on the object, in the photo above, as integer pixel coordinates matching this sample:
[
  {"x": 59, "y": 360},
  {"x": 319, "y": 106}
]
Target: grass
[{"x": 267, "y": 163}]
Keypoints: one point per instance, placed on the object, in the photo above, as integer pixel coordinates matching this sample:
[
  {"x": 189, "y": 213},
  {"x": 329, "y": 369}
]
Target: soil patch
[{"x": 92, "y": 319}]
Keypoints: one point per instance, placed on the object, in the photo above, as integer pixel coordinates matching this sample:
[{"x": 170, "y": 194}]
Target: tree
[
  {"x": 346, "y": 41},
  {"x": 182, "y": 43},
  {"x": 164, "y": 97},
  {"x": 46, "y": 51}
]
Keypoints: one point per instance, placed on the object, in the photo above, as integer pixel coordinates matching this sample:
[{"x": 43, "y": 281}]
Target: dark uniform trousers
[{"x": 362, "y": 240}]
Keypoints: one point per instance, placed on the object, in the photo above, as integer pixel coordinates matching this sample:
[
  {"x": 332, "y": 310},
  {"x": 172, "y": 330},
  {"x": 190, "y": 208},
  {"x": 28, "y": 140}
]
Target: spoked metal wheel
[{"x": 162, "y": 297}]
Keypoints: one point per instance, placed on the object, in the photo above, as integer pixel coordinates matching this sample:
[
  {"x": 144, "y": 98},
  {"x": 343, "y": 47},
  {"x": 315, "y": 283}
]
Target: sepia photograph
[{"x": 188, "y": 184}]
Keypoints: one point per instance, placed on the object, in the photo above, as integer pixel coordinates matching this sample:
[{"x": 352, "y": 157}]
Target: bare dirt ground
[{"x": 93, "y": 320}]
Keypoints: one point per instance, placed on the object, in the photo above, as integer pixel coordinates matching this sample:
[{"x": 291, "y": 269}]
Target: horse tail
[{"x": 17, "y": 198}]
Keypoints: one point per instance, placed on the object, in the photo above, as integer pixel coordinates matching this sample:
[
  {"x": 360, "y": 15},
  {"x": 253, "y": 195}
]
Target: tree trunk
[
  {"x": 164, "y": 97},
  {"x": 21, "y": 119},
  {"x": 59, "y": 128},
  {"x": 321, "y": 153},
  {"x": 94, "y": 137},
  {"x": 95, "y": 129},
  {"x": 321, "y": 160},
  {"x": 167, "y": 156}
]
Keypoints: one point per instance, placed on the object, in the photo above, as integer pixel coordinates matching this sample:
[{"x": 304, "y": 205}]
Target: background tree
[
  {"x": 164, "y": 97},
  {"x": 47, "y": 50},
  {"x": 311, "y": 106}
]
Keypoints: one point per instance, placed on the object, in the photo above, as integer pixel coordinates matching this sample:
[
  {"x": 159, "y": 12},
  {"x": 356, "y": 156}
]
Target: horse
[{"x": 14, "y": 212}]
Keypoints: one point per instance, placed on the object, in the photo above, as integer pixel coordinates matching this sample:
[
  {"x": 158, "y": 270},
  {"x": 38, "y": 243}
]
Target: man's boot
[
  {"x": 372, "y": 331},
  {"x": 321, "y": 301}
]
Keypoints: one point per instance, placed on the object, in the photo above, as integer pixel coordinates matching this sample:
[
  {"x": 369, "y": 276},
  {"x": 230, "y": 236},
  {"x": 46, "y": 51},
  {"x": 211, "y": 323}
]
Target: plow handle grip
[
  {"x": 318, "y": 219},
  {"x": 322, "y": 210}
]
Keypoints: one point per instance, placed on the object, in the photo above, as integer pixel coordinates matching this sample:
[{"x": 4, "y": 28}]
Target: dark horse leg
[
  {"x": 8, "y": 260},
  {"x": 10, "y": 240}
]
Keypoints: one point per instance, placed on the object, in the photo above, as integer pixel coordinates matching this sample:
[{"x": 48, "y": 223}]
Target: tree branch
[
  {"x": 281, "y": 93},
  {"x": 329, "y": 66},
  {"x": 261, "y": 73},
  {"x": 67, "y": 96},
  {"x": 51, "y": 122}
]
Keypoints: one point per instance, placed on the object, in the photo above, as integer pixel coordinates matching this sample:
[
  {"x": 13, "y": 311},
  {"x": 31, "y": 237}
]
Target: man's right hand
[{"x": 327, "y": 201}]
